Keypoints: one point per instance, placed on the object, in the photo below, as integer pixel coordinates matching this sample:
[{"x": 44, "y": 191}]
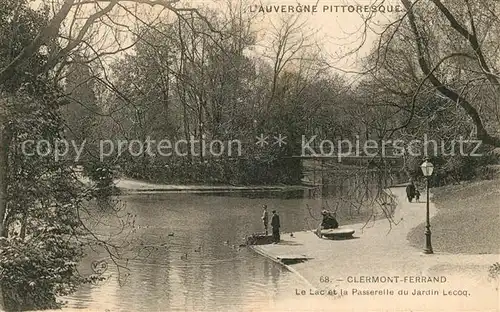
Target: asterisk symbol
[
  {"x": 261, "y": 140},
  {"x": 280, "y": 140}
]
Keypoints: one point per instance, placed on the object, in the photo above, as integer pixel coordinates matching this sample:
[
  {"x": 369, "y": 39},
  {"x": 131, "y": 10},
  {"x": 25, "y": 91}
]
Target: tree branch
[
  {"x": 471, "y": 38},
  {"x": 482, "y": 133},
  {"x": 48, "y": 32}
]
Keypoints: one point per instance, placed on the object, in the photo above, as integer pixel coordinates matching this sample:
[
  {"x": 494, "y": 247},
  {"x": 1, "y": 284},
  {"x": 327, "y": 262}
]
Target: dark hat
[{"x": 274, "y": 211}]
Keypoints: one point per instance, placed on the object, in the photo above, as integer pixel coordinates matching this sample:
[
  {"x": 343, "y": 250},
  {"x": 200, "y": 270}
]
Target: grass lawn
[{"x": 468, "y": 219}]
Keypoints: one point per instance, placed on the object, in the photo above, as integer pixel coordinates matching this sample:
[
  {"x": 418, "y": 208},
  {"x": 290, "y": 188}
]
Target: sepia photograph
[{"x": 249, "y": 155}]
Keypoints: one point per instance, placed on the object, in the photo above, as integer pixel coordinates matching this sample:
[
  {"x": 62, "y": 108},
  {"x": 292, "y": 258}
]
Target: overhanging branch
[{"x": 482, "y": 133}]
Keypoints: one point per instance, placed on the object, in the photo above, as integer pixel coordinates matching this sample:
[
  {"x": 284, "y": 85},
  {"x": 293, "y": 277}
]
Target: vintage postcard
[{"x": 249, "y": 155}]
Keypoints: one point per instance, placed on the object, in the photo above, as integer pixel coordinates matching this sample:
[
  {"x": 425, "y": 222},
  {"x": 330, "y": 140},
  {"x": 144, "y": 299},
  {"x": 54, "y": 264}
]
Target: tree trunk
[
  {"x": 4, "y": 148},
  {"x": 24, "y": 222}
]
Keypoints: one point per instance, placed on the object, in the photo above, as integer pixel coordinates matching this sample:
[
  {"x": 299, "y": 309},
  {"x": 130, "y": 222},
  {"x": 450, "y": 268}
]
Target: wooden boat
[{"x": 339, "y": 233}]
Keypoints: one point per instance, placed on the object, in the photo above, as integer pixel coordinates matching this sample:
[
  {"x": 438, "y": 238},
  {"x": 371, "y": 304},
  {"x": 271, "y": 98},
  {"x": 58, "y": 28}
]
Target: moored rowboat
[{"x": 337, "y": 233}]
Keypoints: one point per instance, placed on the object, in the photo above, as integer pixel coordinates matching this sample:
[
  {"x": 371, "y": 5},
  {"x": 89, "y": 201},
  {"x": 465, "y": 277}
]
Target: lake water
[{"x": 180, "y": 252}]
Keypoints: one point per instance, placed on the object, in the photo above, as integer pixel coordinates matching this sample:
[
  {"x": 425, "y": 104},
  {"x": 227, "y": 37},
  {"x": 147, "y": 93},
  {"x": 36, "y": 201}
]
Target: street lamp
[{"x": 427, "y": 169}]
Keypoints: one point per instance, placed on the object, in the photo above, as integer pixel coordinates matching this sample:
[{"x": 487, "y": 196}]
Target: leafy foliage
[
  {"x": 39, "y": 246},
  {"x": 40, "y": 251}
]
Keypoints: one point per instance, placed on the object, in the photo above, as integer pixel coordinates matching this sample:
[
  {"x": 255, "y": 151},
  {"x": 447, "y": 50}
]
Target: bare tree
[
  {"x": 448, "y": 47},
  {"x": 290, "y": 45}
]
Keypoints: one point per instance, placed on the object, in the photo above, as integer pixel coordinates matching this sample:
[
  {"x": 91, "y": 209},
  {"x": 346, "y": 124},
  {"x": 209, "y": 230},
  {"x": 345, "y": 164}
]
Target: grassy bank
[{"x": 467, "y": 221}]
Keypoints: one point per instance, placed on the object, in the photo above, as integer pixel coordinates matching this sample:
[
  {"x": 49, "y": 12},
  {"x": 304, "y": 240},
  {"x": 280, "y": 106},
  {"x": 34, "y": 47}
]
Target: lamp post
[{"x": 427, "y": 169}]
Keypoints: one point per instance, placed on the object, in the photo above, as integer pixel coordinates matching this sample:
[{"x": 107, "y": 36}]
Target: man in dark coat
[
  {"x": 275, "y": 223},
  {"x": 410, "y": 191}
]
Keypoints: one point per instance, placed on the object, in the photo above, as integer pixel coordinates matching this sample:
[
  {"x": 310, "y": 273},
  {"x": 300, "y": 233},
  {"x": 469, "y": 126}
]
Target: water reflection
[{"x": 214, "y": 277}]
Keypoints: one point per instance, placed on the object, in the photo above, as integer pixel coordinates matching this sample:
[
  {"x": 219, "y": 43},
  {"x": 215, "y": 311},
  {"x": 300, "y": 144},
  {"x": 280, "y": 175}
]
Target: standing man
[
  {"x": 275, "y": 223},
  {"x": 265, "y": 217},
  {"x": 417, "y": 195},
  {"x": 410, "y": 191}
]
